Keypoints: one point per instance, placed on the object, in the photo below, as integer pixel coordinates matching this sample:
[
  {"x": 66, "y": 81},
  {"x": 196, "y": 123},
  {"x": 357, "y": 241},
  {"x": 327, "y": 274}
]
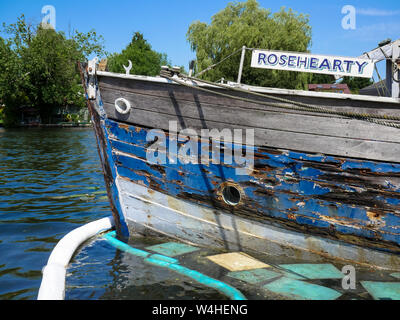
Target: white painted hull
[{"x": 146, "y": 211}]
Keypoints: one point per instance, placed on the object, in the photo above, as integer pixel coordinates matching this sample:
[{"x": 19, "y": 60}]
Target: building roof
[
  {"x": 377, "y": 89},
  {"x": 341, "y": 87}
]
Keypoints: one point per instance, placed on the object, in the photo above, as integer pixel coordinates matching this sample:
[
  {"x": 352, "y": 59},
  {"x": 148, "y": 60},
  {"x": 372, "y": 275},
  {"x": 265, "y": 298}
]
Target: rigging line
[
  {"x": 250, "y": 49},
  {"x": 384, "y": 87},
  {"x": 216, "y": 64},
  {"x": 293, "y": 105},
  {"x": 379, "y": 76},
  {"x": 302, "y": 105},
  {"x": 376, "y": 86},
  {"x": 317, "y": 109}
]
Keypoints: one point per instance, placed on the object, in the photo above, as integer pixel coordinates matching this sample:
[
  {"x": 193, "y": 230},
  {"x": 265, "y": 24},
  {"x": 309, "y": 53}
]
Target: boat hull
[
  {"x": 323, "y": 203},
  {"x": 151, "y": 213}
]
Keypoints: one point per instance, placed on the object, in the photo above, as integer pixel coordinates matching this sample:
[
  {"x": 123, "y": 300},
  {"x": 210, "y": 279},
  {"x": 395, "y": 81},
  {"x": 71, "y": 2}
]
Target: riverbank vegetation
[
  {"x": 39, "y": 74},
  {"x": 38, "y": 69},
  {"x": 39, "y": 77}
]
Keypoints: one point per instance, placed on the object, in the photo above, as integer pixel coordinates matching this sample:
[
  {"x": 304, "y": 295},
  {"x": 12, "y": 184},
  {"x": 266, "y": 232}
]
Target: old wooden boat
[{"x": 322, "y": 176}]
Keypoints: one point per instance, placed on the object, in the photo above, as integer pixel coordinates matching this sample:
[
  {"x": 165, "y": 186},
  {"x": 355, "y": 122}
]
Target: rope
[
  {"x": 373, "y": 79},
  {"x": 293, "y": 105},
  {"x": 379, "y": 76},
  {"x": 216, "y": 64}
]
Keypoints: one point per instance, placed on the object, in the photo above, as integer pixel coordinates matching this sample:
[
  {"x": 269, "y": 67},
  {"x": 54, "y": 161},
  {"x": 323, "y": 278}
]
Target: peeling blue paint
[{"x": 310, "y": 190}]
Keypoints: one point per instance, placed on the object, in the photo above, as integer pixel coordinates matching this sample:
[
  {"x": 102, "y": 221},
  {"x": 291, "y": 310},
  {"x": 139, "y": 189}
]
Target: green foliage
[
  {"x": 247, "y": 24},
  {"x": 38, "y": 68},
  {"x": 355, "y": 83},
  {"x": 12, "y": 79},
  {"x": 89, "y": 43},
  {"x": 145, "y": 61},
  {"x": 318, "y": 78},
  {"x": 72, "y": 117},
  {"x": 50, "y": 61}
]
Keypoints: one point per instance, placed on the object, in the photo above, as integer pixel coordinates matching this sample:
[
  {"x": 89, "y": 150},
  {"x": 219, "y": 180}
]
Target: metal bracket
[
  {"x": 128, "y": 68},
  {"x": 239, "y": 79},
  {"x": 91, "y": 89},
  {"x": 396, "y": 69}
]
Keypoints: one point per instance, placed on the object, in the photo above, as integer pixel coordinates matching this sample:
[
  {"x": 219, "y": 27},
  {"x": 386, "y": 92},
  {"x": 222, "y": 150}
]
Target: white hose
[{"x": 53, "y": 280}]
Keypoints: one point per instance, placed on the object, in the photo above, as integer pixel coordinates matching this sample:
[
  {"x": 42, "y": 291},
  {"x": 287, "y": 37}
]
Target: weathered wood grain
[
  {"x": 194, "y": 95},
  {"x": 154, "y": 105},
  {"x": 337, "y": 146},
  {"x": 258, "y": 118}
]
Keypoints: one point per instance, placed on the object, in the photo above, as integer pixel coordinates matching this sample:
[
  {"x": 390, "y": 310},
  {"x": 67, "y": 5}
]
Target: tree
[
  {"x": 319, "y": 78},
  {"x": 89, "y": 43},
  {"x": 12, "y": 78},
  {"x": 247, "y": 24},
  {"x": 145, "y": 61},
  {"x": 356, "y": 83},
  {"x": 50, "y": 59},
  {"x": 38, "y": 68}
]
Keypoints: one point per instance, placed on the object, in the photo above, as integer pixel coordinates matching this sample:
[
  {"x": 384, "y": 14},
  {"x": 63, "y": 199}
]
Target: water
[{"x": 51, "y": 183}]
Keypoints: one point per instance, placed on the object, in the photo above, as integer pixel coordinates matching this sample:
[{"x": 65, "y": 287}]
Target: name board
[{"x": 305, "y": 62}]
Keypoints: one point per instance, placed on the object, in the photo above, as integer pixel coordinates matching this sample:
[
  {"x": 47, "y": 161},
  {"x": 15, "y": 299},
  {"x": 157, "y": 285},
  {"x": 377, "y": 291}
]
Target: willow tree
[{"x": 247, "y": 24}]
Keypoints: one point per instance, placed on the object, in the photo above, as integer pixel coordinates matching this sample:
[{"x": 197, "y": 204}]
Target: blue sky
[{"x": 165, "y": 23}]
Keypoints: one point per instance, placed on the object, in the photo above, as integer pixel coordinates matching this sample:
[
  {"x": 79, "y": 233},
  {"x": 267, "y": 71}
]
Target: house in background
[
  {"x": 326, "y": 87},
  {"x": 29, "y": 116}
]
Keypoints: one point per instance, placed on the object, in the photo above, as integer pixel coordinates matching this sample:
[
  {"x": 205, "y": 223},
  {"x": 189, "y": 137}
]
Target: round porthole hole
[{"x": 231, "y": 195}]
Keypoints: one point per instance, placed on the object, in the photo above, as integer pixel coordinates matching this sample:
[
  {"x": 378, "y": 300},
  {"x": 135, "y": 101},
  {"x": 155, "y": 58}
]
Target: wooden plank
[
  {"x": 379, "y": 53},
  {"x": 323, "y": 126},
  {"x": 256, "y": 197},
  {"x": 363, "y": 175},
  {"x": 264, "y": 90},
  {"x": 152, "y": 211},
  {"x": 297, "y": 170},
  {"x": 383, "y": 151},
  {"x": 194, "y": 95}
]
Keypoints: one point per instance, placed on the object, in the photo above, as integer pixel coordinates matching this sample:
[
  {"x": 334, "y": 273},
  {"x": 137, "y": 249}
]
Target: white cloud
[
  {"x": 375, "y": 32},
  {"x": 377, "y": 12}
]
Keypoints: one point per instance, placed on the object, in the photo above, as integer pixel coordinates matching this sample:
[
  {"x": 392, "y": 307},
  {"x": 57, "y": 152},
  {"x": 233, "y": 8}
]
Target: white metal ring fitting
[{"x": 119, "y": 108}]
